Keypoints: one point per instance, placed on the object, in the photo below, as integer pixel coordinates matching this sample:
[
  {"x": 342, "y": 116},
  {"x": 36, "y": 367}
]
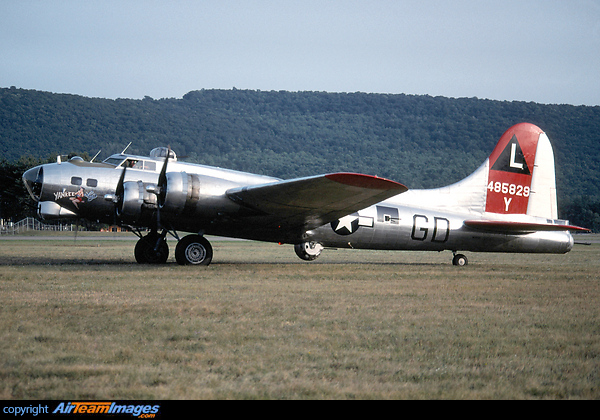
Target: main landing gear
[
  {"x": 459, "y": 260},
  {"x": 190, "y": 250},
  {"x": 193, "y": 250},
  {"x": 151, "y": 249},
  {"x": 308, "y": 251}
]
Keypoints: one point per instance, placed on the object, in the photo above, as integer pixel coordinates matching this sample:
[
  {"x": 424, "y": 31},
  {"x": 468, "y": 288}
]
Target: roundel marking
[{"x": 347, "y": 225}]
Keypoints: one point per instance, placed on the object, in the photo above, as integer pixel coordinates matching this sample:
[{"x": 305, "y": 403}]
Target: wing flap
[
  {"x": 520, "y": 227},
  {"x": 314, "y": 201}
]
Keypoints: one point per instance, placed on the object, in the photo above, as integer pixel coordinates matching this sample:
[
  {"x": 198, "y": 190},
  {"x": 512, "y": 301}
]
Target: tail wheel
[
  {"x": 460, "y": 260},
  {"x": 193, "y": 250},
  {"x": 147, "y": 252}
]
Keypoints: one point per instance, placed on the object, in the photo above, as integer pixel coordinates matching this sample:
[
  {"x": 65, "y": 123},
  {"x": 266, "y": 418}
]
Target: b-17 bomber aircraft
[{"x": 507, "y": 205}]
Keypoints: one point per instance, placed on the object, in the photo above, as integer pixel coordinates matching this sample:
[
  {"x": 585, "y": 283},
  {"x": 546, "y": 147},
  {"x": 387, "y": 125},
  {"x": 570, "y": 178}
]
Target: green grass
[{"x": 81, "y": 320}]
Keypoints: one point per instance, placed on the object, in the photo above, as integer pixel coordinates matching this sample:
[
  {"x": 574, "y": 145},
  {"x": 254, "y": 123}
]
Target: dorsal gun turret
[{"x": 162, "y": 152}]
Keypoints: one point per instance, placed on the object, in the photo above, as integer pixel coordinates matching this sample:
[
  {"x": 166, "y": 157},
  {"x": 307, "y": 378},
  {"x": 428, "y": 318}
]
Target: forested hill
[{"x": 421, "y": 141}]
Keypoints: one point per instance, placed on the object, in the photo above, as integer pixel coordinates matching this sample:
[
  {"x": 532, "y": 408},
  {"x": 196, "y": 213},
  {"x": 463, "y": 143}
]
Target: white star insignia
[{"x": 346, "y": 222}]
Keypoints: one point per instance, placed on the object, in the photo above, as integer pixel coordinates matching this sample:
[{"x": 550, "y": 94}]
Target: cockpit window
[
  {"x": 141, "y": 164},
  {"x": 132, "y": 163},
  {"x": 75, "y": 180},
  {"x": 113, "y": 161},
  {"x": 135, "y": 164}
]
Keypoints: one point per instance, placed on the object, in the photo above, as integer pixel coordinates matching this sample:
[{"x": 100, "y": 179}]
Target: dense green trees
[
  {"x": 15, "y": 203},
  {"x": 420, "y": 141}
]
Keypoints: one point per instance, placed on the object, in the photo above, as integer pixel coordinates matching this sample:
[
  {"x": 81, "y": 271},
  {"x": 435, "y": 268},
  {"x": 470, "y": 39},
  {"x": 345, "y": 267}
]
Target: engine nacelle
[
  {"x": 49, "y": 210},
  {"x": 138, "y": 202},
  {"x": 198, "y": 196}
]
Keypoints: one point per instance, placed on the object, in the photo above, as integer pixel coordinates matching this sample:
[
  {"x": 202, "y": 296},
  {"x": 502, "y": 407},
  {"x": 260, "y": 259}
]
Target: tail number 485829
[{"x": 510, "y": 189}]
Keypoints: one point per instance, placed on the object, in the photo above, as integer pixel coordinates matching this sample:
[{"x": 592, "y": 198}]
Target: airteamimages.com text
[{"x": 68, "y": 408}]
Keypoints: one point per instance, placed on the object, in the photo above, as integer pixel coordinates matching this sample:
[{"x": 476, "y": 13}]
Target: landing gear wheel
[
  {"x": 145, "y": 252},
  {"x": 193, "y": 250},
  {"x": 308, "y": 251},
  {"x": 460, "y": 260}
]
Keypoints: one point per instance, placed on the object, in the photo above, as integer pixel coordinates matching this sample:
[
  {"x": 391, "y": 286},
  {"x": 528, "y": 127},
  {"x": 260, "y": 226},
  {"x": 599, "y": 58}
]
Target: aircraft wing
[
  {"x": 519, "y": 227},
  {"x": 313, "y": 201}
]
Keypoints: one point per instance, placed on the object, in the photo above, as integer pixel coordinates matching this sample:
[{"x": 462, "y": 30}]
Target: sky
[{"x": 545, "y": 51}]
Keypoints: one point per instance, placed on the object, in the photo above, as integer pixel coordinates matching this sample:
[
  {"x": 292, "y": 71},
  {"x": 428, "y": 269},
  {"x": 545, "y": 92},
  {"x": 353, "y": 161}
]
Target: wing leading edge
[{"x": 313, "y": 201}]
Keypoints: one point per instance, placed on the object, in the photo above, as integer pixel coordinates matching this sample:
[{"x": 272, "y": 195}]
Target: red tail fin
[{"x": 511, "y": 170}]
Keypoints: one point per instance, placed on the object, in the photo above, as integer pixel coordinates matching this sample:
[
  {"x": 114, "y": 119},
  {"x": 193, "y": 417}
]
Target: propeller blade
[
  {"x": 162, "y": 181},
  {"x": 162, "y": 188},
  {"x": 119, "y": 193},
  {"x": 76, "y": 230}
]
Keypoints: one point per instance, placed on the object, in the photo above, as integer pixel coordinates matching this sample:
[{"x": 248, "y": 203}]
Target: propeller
[
  {"x": 80, "y": 223},
  {"x": 117, "y": 198},
  {"x": 161, "y": 191},
  {"x": 76, "y": 230},
  {"x": 162, "y": 180}
]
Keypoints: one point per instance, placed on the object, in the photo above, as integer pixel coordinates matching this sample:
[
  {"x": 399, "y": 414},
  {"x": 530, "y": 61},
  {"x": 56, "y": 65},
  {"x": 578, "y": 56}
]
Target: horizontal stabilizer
[
  {"x": 314, "y": 201},
  {"x": 520, "y": 227}
]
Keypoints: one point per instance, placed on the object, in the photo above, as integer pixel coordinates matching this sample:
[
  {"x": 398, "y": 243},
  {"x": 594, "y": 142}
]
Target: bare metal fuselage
[{"x": 425, "y": 230}]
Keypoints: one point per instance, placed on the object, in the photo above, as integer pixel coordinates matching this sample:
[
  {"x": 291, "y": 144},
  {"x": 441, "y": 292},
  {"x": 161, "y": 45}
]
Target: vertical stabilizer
[
  {"x": 521, "y": 177},
  {"x": 517, "y": 179}
]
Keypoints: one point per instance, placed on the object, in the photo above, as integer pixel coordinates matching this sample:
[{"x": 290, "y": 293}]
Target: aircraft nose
[{"x": 34, "y": 180}]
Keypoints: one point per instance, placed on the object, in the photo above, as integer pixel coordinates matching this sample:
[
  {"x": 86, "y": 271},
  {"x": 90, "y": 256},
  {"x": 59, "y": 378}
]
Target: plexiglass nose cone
[{"x": 34, "y": 179}]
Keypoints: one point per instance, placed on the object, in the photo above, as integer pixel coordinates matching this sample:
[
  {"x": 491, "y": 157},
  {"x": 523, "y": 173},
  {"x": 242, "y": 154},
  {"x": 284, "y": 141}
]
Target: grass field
[{"x": 82, "y": 320}]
